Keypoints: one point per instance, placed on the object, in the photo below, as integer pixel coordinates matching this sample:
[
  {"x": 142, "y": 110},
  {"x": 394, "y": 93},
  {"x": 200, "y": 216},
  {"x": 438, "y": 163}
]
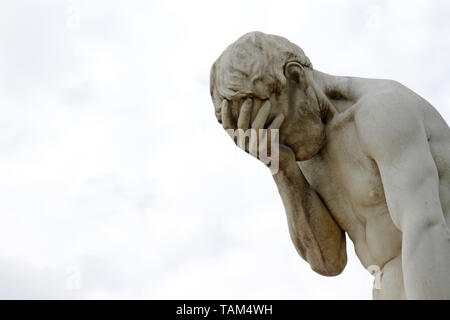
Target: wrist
[{"x": 288, "y": 168}]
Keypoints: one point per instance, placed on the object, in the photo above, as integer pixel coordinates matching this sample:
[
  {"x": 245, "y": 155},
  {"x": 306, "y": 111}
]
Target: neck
[{"x": 334, "y": 94}]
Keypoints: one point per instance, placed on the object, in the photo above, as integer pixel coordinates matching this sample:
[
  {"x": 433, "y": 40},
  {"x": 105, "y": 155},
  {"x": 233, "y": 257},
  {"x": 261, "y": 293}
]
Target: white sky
[{"x": 116, "y": 179}]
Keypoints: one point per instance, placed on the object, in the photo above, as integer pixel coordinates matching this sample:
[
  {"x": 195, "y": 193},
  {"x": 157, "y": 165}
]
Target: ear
[{"x": 295, "y": 72}]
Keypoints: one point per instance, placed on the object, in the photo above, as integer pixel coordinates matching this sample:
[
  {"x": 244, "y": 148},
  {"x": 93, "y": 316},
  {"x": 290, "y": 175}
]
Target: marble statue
[{"x": 366, "y": 157}]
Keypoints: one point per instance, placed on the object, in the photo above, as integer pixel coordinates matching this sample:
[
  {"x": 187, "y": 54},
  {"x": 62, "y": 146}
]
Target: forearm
[{"x": 315, "y": 234}]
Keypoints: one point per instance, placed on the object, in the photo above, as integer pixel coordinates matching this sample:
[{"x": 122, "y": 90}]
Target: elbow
[
  {"x": 326, "y": 262},
  {"x": 330, "y": 267},
  {"x": 328, "y": 270}
]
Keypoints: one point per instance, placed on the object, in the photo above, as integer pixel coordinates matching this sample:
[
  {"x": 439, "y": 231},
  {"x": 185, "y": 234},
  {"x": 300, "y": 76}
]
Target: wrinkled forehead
[
  {"x": 253, "y": 66},
  {"x": 246, "y": 73}
]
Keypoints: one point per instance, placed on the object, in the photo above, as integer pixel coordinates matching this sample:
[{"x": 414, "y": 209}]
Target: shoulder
[{"x": 389, "y": 120}]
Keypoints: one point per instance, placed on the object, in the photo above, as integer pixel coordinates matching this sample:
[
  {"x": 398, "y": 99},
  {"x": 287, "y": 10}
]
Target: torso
[{"x": 349, "y": 183}]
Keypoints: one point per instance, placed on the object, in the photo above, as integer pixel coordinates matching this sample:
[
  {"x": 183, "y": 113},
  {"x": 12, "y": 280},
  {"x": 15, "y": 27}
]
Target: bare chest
[
  {"x": 350, "y": 185},
  {"x": 347, "y": 180}
]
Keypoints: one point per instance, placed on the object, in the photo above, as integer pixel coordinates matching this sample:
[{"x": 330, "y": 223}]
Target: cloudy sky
[{"x": 116, "y": 179}]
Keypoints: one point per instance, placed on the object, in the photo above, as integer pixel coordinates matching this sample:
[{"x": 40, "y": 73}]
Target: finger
[
  {"x": 218, "y": 111},
  {"x": 273, "y": 130},
  {"x": 263, "y": 146},
  {"x": 262, "y": 115},
  {"x": 227, "y": 122},
  {"x": 253, "y": 143},
  {"x": 277, "y": 122},
  {"x": 257, "y": 103},
  {"x": 244, "y": 115}
]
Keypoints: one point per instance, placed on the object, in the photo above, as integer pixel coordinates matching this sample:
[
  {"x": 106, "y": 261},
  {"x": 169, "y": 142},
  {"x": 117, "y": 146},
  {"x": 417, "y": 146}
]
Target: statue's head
[{"x": 269, "y": 67}]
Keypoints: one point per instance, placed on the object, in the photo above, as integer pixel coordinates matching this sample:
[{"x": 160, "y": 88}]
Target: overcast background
[{"x": 116, "y": 179}]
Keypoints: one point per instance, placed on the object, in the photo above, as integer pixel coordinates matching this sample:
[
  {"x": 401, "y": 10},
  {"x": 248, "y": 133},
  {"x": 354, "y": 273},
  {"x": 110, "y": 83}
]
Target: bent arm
[{"x": 315, "y": 234}]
